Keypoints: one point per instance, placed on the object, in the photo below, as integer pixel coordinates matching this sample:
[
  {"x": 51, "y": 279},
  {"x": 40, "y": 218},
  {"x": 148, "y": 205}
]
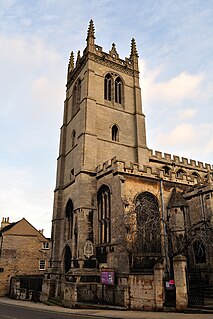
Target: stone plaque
[{"x": 88, "y": 249}]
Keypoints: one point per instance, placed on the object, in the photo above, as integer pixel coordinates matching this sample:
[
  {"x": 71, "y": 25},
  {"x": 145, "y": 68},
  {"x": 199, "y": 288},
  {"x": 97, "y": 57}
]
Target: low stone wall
[{"x": 142, "y": 292}]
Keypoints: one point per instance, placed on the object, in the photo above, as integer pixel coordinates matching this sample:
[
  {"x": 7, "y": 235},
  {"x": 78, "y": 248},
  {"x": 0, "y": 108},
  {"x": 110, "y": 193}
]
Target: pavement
[{"x": 106, "y": 313}]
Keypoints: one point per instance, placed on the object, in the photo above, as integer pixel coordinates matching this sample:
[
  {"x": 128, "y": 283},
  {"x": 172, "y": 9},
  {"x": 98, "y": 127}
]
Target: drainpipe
[{"x": 164, "y": 227}]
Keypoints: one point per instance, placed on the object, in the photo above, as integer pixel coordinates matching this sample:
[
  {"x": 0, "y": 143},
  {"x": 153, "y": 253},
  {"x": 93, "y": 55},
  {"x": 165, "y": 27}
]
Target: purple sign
[{"x": 107, "y": 277}]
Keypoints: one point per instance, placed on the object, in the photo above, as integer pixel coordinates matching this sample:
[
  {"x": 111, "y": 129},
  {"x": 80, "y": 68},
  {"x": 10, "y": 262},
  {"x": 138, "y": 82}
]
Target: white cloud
[
  {"x": 183, "y": 86},
  {"x": 188, "y": 113}
]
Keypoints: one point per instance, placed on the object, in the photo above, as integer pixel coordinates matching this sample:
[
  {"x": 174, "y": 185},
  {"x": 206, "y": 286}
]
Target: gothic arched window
[
  {"x": 69, "y": 215},
  {"x": 104, "y": 214},
  {"x": 166, "y": 170},
  {"x": 67, "y": 258},
  {"x": 118, "y": 90},
  {"x": 148, "y": 239},
  {"x": 115, "y": 131},
  {"x": 76, "y": 97},
  {"x": 179, "y": 173},
  {"x": 195, "y": 174},
  {"x": 108, "y": 87}
]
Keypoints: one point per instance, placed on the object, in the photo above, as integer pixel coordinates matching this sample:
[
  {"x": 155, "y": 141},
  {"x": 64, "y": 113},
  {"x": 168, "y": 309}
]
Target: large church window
[
  {"x": 67, "y": 258},
  {"x": 148, "y": 237},
  {"x": 104, "y": 214},
  {"x": 69, "y": 220},
  {"x": 115, "y": 133},
  {"x": 118, "y": 90}
]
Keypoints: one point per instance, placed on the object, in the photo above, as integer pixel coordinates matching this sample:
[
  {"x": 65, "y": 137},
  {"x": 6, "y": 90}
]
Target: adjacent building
[{"x": 23, "y": 251}]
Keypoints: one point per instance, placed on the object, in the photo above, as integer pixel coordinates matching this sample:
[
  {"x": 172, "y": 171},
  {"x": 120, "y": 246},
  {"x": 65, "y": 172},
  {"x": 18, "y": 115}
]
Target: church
[{"x": 129, "y": 224}]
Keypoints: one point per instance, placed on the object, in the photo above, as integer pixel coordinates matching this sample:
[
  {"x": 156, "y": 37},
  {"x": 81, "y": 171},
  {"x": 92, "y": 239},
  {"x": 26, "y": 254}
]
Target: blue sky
[{"x": 174, "y": 40}]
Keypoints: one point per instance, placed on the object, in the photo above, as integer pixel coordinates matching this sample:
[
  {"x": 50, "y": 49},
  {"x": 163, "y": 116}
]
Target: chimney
[{"x": 5, "y": 222}]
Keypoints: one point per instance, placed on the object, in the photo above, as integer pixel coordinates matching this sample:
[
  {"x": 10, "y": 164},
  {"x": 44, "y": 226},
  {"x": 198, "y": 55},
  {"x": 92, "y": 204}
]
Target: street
[
  {"x": 17, "y": 312},
  {"x": 18, "y": 309}
]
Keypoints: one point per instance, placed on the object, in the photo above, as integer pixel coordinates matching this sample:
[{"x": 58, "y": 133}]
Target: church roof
[{"x": 177, "y": 200}]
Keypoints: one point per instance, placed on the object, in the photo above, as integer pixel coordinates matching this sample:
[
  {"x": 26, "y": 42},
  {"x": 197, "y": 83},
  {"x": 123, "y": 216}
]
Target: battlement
[
  {"x": 155, "y": 172},
  {"x": 174, "y": 159}
]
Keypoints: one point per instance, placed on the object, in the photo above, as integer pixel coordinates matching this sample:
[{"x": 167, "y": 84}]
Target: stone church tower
[
  {"x": 102, "y": 119},
  {"x": 107, "y": 178}
]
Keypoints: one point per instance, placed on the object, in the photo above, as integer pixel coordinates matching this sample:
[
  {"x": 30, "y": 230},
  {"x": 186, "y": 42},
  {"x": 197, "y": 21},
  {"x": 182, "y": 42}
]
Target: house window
[
  {"x": 118, "y": 86},
  {"x": 104, "y": 214},
  {"x": 115, "y": 133},
  {"x": 42, "y": 264},
  {"x": 45, "y": 245},
  {"x": 108, "y": 87}
]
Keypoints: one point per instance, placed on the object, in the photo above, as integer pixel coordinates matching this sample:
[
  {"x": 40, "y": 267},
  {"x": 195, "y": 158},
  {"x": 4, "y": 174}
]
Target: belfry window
[
  {"x": 108, "y": 87},
  {"x": 104, "y": 214},
  {"x": 118, "y": 86},
  {"x": 113, "y": 88},
  {"x": 115, "y": 133}
]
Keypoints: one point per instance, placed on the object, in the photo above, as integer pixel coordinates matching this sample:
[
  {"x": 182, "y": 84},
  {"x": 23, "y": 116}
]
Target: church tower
[{"x": 102, "y": 119}]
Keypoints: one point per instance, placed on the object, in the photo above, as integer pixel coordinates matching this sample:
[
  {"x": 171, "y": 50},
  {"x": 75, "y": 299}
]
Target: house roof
[
  {"x": 22, "y": 228},
  {"x": 7, "y": 227}
]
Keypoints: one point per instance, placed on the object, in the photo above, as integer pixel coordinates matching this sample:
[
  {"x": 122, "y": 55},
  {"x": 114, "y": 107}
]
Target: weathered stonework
[
  {"x": 21, "y": 250},
  {"x": 105, "y": 174}
]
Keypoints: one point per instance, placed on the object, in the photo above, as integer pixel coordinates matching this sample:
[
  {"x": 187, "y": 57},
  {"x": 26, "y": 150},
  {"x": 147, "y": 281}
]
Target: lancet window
[
  {"x": 104, "y": 214},
  {"x": 115, "y": 133}
]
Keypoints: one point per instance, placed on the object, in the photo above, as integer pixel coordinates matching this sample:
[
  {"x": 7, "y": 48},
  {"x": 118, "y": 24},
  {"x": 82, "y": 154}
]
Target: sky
[{"x": 174, "y": 42}]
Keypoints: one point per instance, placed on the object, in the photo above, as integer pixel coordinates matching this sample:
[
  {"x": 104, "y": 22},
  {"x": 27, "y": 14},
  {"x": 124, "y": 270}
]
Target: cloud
[
  {"x": 185, "y": 114},
  {"x": 182, "y": 86},
  {"x": 187, "y": 140},
  {"x": 24, "y": 197}
]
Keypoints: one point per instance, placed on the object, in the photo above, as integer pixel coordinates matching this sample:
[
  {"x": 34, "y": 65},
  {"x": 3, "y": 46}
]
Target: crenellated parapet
[
  {"x": 154, "y": 171},
  {"x": 156, "y": 156}
]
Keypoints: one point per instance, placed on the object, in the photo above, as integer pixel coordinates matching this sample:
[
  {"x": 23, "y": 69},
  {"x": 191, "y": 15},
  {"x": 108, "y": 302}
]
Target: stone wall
[{"x": 20, "y": 255}]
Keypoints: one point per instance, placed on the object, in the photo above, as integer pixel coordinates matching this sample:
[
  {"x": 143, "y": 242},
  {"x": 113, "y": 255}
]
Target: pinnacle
[
  {"x": 71, "y": 61},
  {"x": 91, "y": 29},
  {"x": 134, "y": 51}
]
